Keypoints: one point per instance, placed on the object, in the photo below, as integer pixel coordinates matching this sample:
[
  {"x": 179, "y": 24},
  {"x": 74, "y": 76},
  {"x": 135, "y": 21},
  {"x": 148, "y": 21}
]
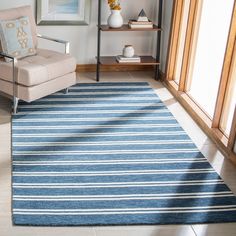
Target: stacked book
[
  {"x": 122, "y": 59},
  {"x": 142, "y": 22},
  {"x": 134, "y": 24}
]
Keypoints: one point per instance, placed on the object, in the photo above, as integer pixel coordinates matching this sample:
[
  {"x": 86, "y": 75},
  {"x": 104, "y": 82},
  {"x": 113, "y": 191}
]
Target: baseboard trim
[{"x": 82, "y": 68}]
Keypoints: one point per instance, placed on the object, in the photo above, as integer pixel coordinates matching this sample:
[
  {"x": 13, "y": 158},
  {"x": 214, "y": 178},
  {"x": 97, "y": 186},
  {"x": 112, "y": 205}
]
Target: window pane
[
  {"x": 182, "y": 36},
  {"x": 230, "y": 101},
  {"x": 211, "y": 41}
]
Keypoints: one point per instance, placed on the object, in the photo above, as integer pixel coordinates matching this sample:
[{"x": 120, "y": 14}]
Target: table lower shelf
[{"x": 145, "y": 60}]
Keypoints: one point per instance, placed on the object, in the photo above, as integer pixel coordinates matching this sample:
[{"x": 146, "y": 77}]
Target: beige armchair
[{"x": 34, "y": 77}]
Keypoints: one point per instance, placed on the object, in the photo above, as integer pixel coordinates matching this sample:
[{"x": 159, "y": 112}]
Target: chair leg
[
  {"x": 15, "y": 105},
  {"x": 66, "y": 90}
]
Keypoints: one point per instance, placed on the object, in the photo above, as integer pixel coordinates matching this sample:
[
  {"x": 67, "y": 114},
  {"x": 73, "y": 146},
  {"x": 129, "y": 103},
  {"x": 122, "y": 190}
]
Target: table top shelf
[
  {"x": 126, "y": 27},
  {"x": 109, "y": 63},
  {"x": 111, "y": 60}
]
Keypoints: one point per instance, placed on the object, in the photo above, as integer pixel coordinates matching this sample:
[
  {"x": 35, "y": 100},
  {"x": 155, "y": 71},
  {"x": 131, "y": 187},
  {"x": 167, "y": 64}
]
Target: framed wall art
[{"x": 63, "y": 12}]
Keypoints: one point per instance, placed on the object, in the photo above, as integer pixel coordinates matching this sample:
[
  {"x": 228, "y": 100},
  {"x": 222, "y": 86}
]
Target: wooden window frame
[
  {"x": 190, "y": 44},
  {"x": 174, "y": 38},
  {"x": 225, "y": 76},
  {"x": 211, "y": 127},
  {"x": 232, "y": 138}
]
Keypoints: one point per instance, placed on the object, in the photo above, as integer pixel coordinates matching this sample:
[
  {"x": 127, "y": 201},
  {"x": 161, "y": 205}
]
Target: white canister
[
  {"x": 115, "y": 20},
  {"x": 128, "y": 51}
]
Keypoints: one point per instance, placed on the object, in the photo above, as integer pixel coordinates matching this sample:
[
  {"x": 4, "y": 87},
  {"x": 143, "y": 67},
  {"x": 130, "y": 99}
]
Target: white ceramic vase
[
  {"x": 115, "y": 19},
  {"x": 128, "y": 51}
]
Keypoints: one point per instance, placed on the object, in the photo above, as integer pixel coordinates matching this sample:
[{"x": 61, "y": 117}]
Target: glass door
[{"x": 210, "y": 40}]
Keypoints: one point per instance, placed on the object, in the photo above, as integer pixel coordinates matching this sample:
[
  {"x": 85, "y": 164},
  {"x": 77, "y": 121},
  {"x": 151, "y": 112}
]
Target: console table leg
[
  {"x": 157, "y": 72},
  {"x": 99, "y": 39},
  {"x": 158, "y": 47}
]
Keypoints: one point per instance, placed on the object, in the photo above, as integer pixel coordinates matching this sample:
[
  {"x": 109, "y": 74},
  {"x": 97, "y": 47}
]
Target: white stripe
[
  {"x": 122, "y": 211},
  {"x": 127, "y": 209},
  {"x": 95, "y": 127},
  {"x": 118, "y": 174},
  {"x": 126, "y": 213},
  {"x": 95, "y": 112},
  {"x": 114, "y": 173},
  {"x": 121, "y": 171},
  {"x": 120, "y": 183},
  {"x": 105, "y": 143},
  {"x": 109, "y": 87},
  {"x": 118, "y": 171},
  {"x": 123, "y": 98},
  {"x": 112, "y": 186},
  {"x": 118, "y": 134},
  {"x": 112, "y": 162},
  {"x": 91, "y": 164},
  {"x": 111, "y": 93},
  {"x": 110, "y": 119},
  {"x": 90, "y": 161},
  {"x": 122, "y": 198},
  {"x": 122, "y": 195},
  {"x": 92, "y": 105},
  {"x": 71, "y": 153}
]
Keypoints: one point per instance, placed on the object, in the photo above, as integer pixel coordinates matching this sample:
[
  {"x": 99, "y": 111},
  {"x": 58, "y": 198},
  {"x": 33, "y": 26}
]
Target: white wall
[
  {"x": 166, "y": 23},
  {"x": 84, "y": 38}
]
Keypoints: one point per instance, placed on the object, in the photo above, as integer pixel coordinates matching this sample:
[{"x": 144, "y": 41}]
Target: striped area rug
[{"x": 110, "y": 154}]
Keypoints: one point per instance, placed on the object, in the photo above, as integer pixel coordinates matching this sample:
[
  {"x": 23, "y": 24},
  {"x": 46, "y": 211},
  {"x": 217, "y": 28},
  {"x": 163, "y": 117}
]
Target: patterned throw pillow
[{"x": 16, "y": 37}]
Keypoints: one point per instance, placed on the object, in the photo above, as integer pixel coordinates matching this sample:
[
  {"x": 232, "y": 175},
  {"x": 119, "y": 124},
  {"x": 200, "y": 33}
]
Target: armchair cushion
[
  {"x": 14, "y": 13},
  {"x": 16, "y": 37},
  {"x": 46, "y": 65}
]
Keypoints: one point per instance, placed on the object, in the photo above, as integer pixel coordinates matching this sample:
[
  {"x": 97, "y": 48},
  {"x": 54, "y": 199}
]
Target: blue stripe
[
  {"x": 114, "y": 90},
  {"x": 115, "y": 167},
  {"x": 110, "y": 115},
  {"x": 144, "y": 219},
  {"x": 76, "y": 123},
  {"x": 123, "y": 204},
  {"x": 111, "y": 84},
  {"x": 195, "y": 155},
  {"x": 94, "y": 130},
  {"x": 119, "y": 96},
  {"x": 99, "y": 102},
  {"x": 101, "y": 138},
  {"x": 129, "y": 190},
  {"x": 133, "y": 147},
  {"x": 109, "y": 179}
]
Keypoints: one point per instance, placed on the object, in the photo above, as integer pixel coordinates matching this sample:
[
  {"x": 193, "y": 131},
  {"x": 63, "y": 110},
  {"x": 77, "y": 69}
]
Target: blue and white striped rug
[{"x": 110, "y": 154}]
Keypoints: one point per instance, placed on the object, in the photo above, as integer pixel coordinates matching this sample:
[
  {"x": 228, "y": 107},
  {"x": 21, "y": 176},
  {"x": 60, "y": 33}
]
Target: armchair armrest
[
  {"x": 14, "y": 62},
  {"x": 2, "y": 54},
  {"x": 66, "y": 43},
  {"x": 14, "y": 76}
]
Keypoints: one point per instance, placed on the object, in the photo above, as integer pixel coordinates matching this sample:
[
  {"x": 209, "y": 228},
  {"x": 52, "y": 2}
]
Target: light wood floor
[{"x": 226, "y": 170}]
